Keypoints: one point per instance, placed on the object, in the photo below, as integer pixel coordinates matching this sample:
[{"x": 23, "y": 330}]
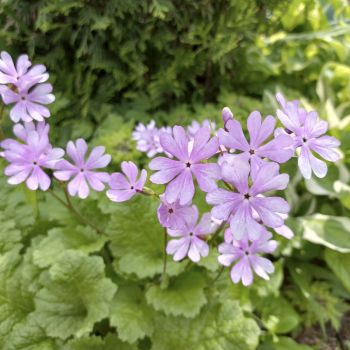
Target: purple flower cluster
[
  {"x": 307, "y": 132},
  {"x": 239, "y": 174},
  {"x": 148, "y": 138},
  {"x": 21, "y": 84}
]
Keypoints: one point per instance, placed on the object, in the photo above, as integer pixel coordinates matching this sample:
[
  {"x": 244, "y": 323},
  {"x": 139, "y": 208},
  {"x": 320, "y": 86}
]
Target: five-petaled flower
[
  {"x": 126, "y": 185},
  {"x": 277, "y": 150},
  {"x": 179, "y": 173},
  {"x": 307, "y": 130},
  {"x": 174, "y": 215},
  {"x": 83, "y": 171},
  {"x": 28, "y": 160},
  {"x": 189, "y": 239},
  {"x": 18, "y": 85},
  {"x": 238, "y": 207},
  {"x": 245, "y": 255}
]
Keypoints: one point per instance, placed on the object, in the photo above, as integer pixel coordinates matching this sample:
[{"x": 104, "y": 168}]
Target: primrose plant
[{"x": 240, "y": 174}]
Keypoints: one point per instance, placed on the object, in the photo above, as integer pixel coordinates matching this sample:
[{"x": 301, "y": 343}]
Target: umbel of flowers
[{"x": 237, "y": 173}]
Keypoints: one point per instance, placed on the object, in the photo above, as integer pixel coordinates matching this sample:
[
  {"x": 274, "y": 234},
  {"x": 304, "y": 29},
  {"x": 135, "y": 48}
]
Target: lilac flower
[
  {"x": 174, "y": 215},
  {"x": 238, "y": 206},
  {"x": 29, "y": 103},
  {"x": 11, "y": 73},
  {"x": 28, "y": 160},
  {"x": 147, "y": 137},
  {"x": 179, "y": 173},
  {"x": 278, "y": 149},
  {"x": 18, "y": 75},
  {"x": 226, "y": 116},
  {"x": 22, "y": 131},
  {"x": 20, "y": 88},
  {"x": 307, "y": 130},
  {"x": 246, "y": 258},
  {"x": 195, "y": 126},
  {"x": 125, "y": 186},
  {"x": 82, "y": 170},
  {"x": 189, "y": 240}
]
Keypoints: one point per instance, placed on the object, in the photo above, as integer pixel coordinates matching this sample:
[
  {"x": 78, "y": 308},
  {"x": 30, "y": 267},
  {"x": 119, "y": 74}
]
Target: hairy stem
[
  {"x": 68, "y": 204},
  {"x": 2, "y": 134},
  {"x": 164, "y": 256},
  {"x": 217, "y": 276},
  {"x": 217, "y": 232}
]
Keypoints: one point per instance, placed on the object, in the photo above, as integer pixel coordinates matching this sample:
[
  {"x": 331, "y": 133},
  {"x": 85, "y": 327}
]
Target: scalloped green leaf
[
  {"x": 111, "y": 342},
  {"x": 183, "y": 296},
  {"x": 60, "y": 239},
  {"x": 76, "y": 294},
  {"x": 137, "y": 239},
  {"x": 217, "y": 327},
  {"x": 130, "y": 314},
  {"x": 16, "y": 296}
]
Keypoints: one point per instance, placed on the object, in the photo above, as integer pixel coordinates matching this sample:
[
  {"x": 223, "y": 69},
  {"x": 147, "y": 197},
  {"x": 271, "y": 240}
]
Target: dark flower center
[
  {"x": 170, "y": 211},
  {"x": 132, "y": 187},
  {"x": 35, "y": 163},
  {"x": 191, "y": 234},
  {"x": 246, "y": 253},
  {"x": 304, "y": 139},
  {"x": 81, "y": 170},
  {"x": 188, "y": 164},
  {"x": 23, "y": 98},
  {"x": 247, "y": 196},
  {"x": 252, "y": 152}
]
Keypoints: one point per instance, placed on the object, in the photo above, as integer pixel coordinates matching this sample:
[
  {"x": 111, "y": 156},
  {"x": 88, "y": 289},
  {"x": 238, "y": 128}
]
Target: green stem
[
  {"x": 68, "y": 204},
  {"x": 165, "y": 258},
  {"x": 217, "y": 232},
  {"x": 2, "y": 134},
  {"x": 217, "y": 276}
]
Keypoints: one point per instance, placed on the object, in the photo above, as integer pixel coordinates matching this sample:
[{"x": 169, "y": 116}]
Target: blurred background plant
[{"x": 114, "y": 63}]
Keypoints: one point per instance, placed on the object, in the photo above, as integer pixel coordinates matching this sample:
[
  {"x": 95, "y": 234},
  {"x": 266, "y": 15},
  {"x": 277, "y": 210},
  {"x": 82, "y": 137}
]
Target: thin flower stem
[
  {"x": 217, "y": 232},
  {"x": 165, "y": 258},
  {"x": 217, "y": 276},
  {"x": 2, "y": 134},
  {"x": 68, "y": 204}
]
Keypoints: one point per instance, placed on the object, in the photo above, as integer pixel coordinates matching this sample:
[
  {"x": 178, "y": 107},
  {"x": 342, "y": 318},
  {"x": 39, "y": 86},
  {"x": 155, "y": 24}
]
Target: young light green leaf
[
  {"x": 76, "y": 294},
  {"x": 183, "y": 296}
]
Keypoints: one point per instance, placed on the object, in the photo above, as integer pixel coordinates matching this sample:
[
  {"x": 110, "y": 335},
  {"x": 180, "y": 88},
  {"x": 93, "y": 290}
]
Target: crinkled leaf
[
  {"x": 10, "y": 237},
  {"x": 137, "y": 238},
  {"x": 60, "y": 239},
  {"x": 76, "y": 294},
  {"x": 217, "y": 327},
  {"x": 16, "y": 296},
  {"x": 130, "y": 314},
  {"x": 183, "y": 296},
  {"x": 31, "y": 335},
  {"x": 111, "y": 342}
]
